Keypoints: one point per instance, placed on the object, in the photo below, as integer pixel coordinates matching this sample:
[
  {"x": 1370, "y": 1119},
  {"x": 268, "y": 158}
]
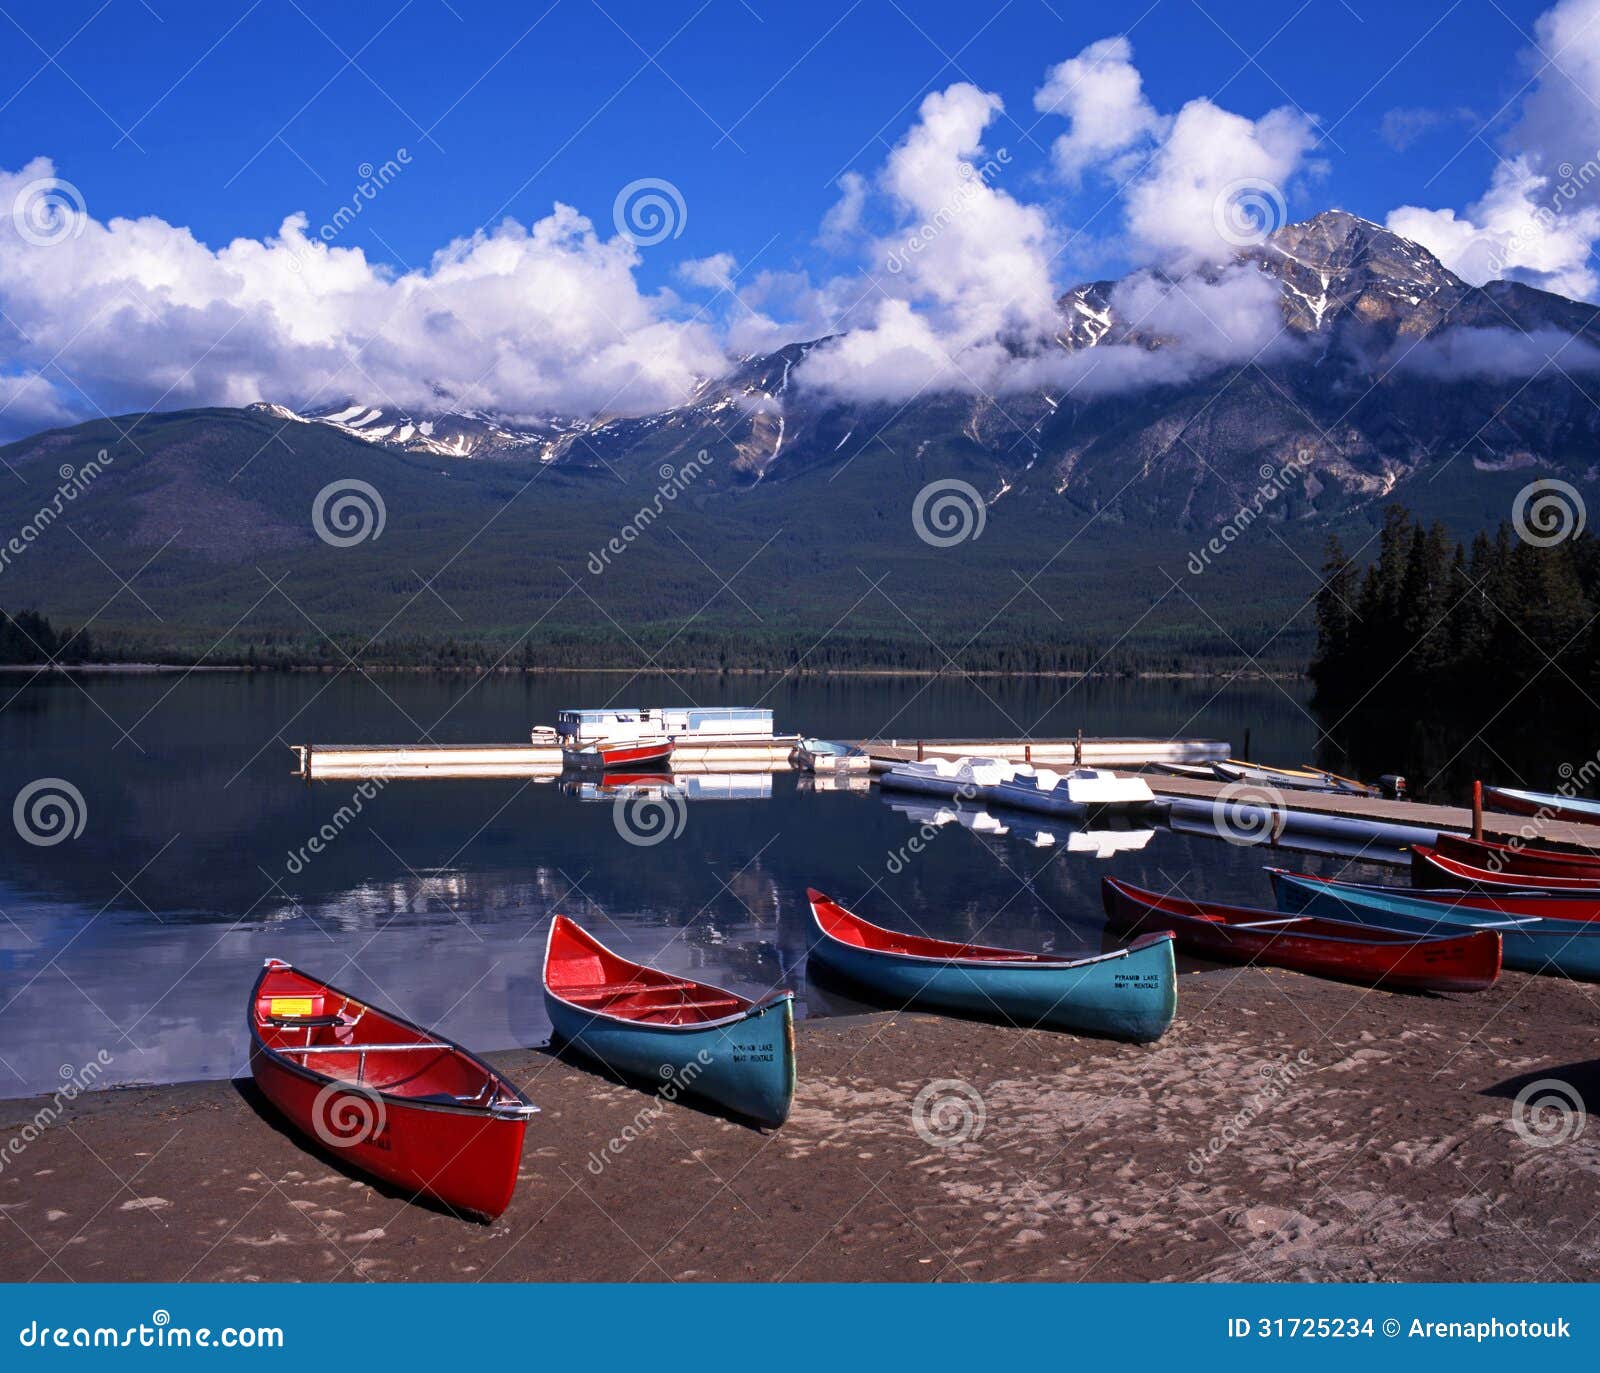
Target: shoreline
[{"x": 1285, "y": 1129}]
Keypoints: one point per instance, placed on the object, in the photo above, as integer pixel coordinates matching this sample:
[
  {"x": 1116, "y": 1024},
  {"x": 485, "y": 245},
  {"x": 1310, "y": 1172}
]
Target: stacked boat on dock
[
  {"x": 1238, "y": 771},
  {"x": 642, "y": 739},
  {"x": 995, "y": 781}
]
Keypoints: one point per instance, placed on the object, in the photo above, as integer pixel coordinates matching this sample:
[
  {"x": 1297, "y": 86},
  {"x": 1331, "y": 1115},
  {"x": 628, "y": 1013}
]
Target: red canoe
[
  {"x": 1516, "y": 903},
  {"x": 1543, "y": 804},
  {"x": 1517, "y": 858},
  {"x": 1430, "y": 868},
  {"x": 1308, "y": 944},
  {"x": 623, "y": 753},
  {"x": 395, "y": 1101}
]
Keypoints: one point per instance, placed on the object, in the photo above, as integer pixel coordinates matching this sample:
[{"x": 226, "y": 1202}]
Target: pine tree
[{"x": 1332, "y": 666}]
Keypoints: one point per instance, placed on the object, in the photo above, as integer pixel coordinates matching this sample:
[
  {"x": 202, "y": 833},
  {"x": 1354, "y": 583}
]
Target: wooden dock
[
  {"x": 1378, "y": 811},
  {"x": 332, "y": 762},
  {"x": 337, "y": 762},
  {"x": 1074, "y": 752},
  {"x": 1336, "y": 821}
]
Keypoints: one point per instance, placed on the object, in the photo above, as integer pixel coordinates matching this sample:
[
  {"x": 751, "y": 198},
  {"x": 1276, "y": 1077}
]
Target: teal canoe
[
  {"x": 1529, "y": 943},
  {"x": 1131, "y": 993},
  {"x": 686, "y": 1039}
]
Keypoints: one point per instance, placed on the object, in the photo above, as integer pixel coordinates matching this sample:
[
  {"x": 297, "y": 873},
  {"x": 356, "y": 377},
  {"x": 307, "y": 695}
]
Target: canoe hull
[
  {"x": 1513, "y": 858},
  {"x": 1580, "y": 810},
  {"x": 1467, "y": 963},
  {"x": 1133, "y": 997},
  {"x": 1547, "y": 946},
  {"x": 465, "y": 1160},
  {"x": 1432, "y": 869},
  {"x": 744, "y": 1065}
]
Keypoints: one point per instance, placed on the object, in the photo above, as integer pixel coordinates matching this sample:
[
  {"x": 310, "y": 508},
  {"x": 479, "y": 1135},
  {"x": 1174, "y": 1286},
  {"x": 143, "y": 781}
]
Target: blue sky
[
  {"x": 237, "y": 114},
  {"x": 151, "y": 153}
]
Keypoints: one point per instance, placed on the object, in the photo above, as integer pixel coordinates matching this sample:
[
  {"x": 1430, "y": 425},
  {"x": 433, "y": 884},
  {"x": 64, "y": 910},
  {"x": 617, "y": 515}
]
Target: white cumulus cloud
[
  {"x": 1539, "y": 218},
  {"x": 1210, "y": 163},
  {"x": 1102, "y": 93},
  {"x": 117, "y": 316}
]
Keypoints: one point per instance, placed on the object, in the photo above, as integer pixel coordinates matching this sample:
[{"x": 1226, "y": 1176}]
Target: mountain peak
[
  {"x": 1336, "y": 241},
  {"x": 1337, "y": 266}
]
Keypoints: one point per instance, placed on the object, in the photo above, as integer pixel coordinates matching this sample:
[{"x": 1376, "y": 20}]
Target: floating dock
[
  {"x": 334, "y": 762},
  {"x": 1353, "y": 822},
  {"x": 1052, "y": 753},
  {"x": 1366, "y": 826},
  {"x": 1370, "y": 827},
  {"x": 340, "y": 762}
]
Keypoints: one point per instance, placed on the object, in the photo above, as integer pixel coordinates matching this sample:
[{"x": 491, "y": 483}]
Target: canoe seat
[{"x": 601, "y": 991}]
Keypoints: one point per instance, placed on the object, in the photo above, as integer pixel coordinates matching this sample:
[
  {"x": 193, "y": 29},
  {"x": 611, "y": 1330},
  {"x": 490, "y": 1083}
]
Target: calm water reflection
[{"x": 141, "y": 936}]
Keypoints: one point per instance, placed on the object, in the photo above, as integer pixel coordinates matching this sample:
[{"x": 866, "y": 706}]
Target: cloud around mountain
[{"x": 951, "y": 263}]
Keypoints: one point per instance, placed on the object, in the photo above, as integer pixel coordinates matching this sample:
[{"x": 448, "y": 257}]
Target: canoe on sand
[
  {"x": 1529, "y": 942},
  {"x": 391, "y": 1098},
  {"x": 1340, "y": 949},
  {"x": 684, "y": 1038},
  {"x": 1128, "y": 994}
]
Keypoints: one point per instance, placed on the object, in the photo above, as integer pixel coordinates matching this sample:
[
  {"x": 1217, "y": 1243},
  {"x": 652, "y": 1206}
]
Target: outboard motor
[{"x": 1393, "y": 786}]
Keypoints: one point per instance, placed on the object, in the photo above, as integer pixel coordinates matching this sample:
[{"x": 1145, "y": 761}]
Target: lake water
[{"x": 141, "y": 935}]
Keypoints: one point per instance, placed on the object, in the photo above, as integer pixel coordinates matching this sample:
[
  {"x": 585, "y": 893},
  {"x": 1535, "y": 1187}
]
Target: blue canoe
[
  {"x": 1529, "y": 943},
  {"x": 687, "y": 1039},
  {"x": 1129, "y": 994}
]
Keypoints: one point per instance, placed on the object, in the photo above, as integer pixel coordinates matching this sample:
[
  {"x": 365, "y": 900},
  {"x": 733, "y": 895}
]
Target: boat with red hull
[
  {"x": 1517, "y": 858},
  {"x": 1338, "y": 949},
  {"x": 392, "y": 1099},
  {"x": 637, "y": 754},
  {"x": 1545, "y": 804},
  {"x": 1430, "y": 868}
]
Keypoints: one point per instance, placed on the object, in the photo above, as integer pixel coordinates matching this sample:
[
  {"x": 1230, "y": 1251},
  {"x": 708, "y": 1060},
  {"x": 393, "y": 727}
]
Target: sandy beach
[{"x": 1284, "y": 1129}]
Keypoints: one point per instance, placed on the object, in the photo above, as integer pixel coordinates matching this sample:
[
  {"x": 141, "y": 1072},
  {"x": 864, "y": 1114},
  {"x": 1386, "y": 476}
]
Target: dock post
[
  {"x": 1077, "y": 749},
  {"x": 1477, "y": 810},
  {"x": 919, "y": 750},
  {"x": 1027, "y": 753}
]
